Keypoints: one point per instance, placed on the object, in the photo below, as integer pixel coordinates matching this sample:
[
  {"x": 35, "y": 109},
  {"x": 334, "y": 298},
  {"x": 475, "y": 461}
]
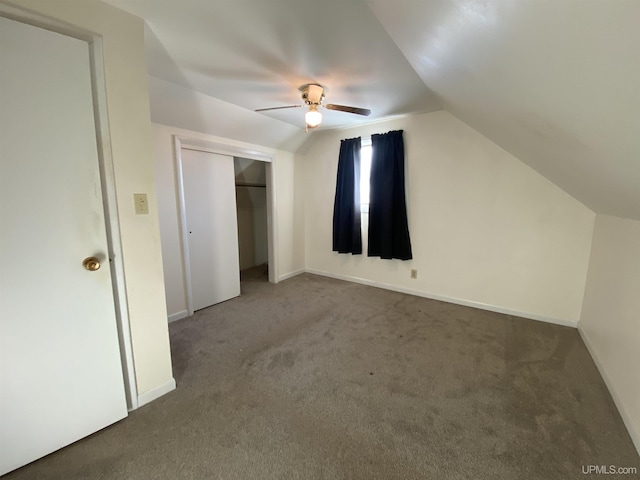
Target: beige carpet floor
[{"x": 316, "y": 378}]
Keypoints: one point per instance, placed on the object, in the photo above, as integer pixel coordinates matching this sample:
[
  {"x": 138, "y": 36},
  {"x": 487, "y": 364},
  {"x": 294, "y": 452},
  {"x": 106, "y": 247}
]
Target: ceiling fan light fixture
[
  {"x": 313, "y": 117},
  {"x": 312, "y": 96}
]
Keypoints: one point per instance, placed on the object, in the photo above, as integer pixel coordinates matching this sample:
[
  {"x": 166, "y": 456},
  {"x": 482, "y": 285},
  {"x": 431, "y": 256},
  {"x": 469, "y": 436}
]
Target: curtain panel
[
  {"x": 347, "y": 237},
  {"x": 388, "y": 226}
]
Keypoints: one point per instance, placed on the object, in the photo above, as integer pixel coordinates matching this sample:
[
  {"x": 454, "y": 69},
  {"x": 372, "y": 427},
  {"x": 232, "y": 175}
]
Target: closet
[{"x": 251, "y": 204}]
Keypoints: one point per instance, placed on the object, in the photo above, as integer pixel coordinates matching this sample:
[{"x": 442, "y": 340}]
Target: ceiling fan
[{"x": 312, "y": 95}]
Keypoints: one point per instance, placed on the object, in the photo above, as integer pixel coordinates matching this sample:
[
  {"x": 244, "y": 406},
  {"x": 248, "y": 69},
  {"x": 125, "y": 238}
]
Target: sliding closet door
[{"x": 212, "y": 227}]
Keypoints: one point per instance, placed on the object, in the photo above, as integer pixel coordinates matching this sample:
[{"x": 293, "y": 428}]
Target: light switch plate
[{"x": 141, "y": 204}]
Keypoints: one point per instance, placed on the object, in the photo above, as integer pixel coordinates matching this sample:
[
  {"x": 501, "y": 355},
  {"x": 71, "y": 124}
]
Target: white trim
[
  {"x": 107, "y": 178},
  {"x": 112, "y": 221},
  {"x": 157, "y": 392},
  {"x": 223, "y": 148},
  {"x": 272, "y": 222},
  {"x": 444, "y": 298},
  {"x": 286, "y": 276},
  {"x": 178, "y": 316},
  {"x": 617, "y": 399},
  {"x": 182, "y": 214},
  {"x": 38, "y": 20}
]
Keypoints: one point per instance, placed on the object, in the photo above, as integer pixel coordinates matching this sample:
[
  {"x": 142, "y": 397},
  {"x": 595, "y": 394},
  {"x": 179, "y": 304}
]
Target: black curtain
[
  {"x": 388, "y": 227},
  {"x": 347, "y": 237}
]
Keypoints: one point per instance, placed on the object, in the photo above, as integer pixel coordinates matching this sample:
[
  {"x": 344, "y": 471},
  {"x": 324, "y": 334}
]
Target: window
[
  {"x": 365, "y": 172},
  {"x": 386, "y": 215}
]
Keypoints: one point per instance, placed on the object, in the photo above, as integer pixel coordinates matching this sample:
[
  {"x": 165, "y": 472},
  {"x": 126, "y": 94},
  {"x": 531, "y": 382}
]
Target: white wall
[
  {"x": 610, "y": 323},
  {"x": 251, "y": 202},
  {"x": 486, "y": 230},
  {"x": 183, "y": 108},
  {"x": 249, "y": 172},
  {"x": 128, "y": 108},
  {"x": 261, "y": 237},
  {"x": 253, "y": 240},
  {"x": 288, "y": 258}
]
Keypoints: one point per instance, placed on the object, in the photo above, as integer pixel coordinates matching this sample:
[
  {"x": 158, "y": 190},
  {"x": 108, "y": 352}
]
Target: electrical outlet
[
  {"x": 141, "y": 204},
  {"x": 414, "y": 273}
]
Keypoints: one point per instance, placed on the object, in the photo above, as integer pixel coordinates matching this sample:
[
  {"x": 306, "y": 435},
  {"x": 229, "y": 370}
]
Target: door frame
[
  {"x": 107, "y": 180},
  {"x": 181, "y": 142}
]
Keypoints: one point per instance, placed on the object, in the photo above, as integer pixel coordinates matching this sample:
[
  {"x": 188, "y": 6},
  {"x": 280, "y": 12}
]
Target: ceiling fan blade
[
  {"x": 277, "y": 108},
  {"x": 344, "y": 108}
]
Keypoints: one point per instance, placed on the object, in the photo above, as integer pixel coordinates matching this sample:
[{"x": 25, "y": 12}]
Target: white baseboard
[
  {"x": 443, "y": 298},
  {"x": 178, "y": 316},
  {"x": 290, "y": 275},
  {"x": 154, "y": 393},
  {"x": 624, "y": 413}
]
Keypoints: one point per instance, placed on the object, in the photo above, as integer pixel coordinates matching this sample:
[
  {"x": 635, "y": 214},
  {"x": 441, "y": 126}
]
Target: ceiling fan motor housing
[{"x": 312, "y": 93}]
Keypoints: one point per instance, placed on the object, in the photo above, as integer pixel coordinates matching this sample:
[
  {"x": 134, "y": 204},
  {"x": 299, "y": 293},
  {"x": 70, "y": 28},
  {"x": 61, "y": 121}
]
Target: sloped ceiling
[
  {"x": 257, "y": 53},
  {"x": 555, "y": 83}
]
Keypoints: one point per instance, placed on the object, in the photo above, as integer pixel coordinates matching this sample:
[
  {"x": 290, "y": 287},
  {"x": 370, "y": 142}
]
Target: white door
[
  {"x": 60, "y": 369},
  {"x": 212, "y": 226}
]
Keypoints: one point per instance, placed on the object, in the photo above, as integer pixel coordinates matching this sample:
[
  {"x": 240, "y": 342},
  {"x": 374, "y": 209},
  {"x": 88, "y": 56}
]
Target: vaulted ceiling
[{"x": 555, "y": 83}]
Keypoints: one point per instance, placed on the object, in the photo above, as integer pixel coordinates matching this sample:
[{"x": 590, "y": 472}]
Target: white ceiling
[
  {"x": 555, "y": 83},
  {"x": 256, "y": 53}
]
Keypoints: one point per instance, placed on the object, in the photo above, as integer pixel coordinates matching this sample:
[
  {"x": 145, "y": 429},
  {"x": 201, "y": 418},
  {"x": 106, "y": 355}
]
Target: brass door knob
[{"x": 91, "y": 263}]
